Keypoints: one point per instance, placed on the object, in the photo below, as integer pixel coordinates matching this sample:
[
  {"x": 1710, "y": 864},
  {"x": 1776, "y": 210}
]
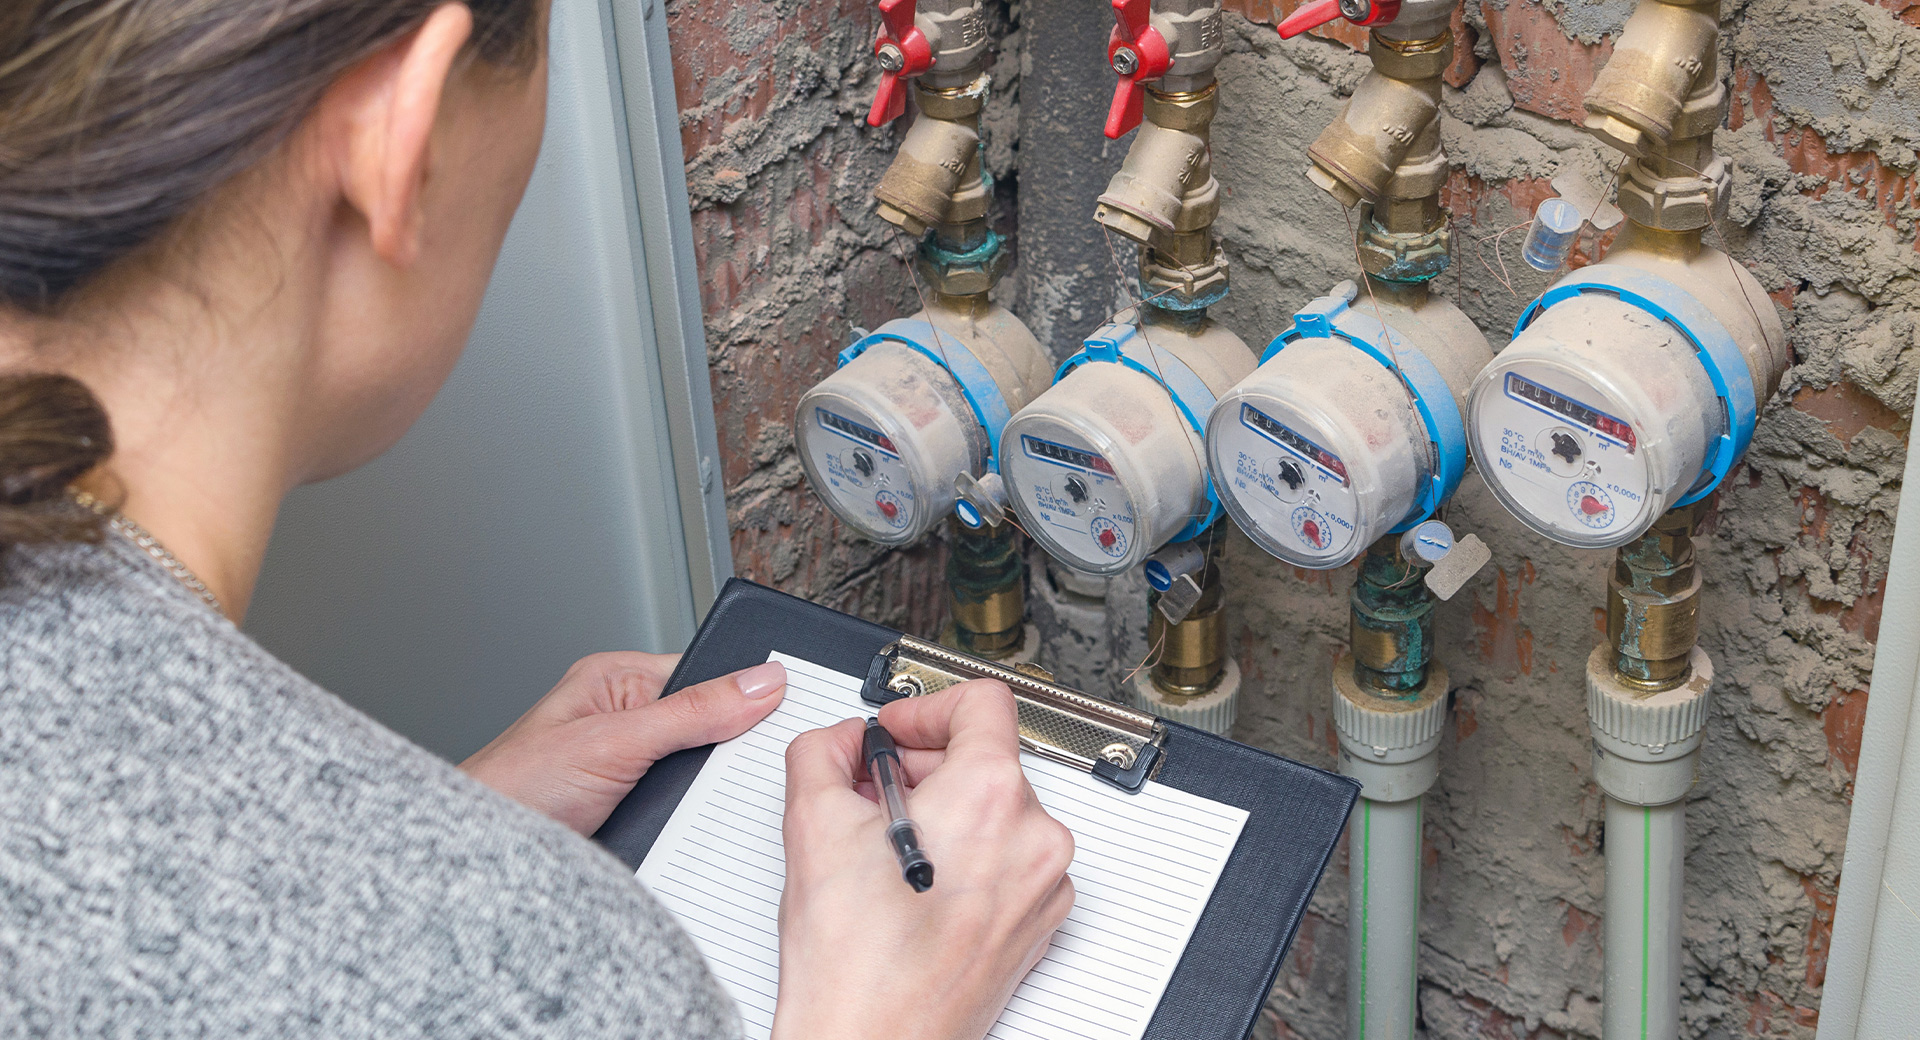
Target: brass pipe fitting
[
  {"x": 935, "y": 174},
  {"x": 1653, "y": 604},
  {"x": 1193, "y": 653},
  {"x": 1195, "y": 42},
  {"x": 1663, "y": 82},
  {"x": 1390, "y": 624},
  {"x": 986, "y": 590},
  {"x": 1386, "y": 143},
  {"x": 956, "y": 33},
  {"x": 1165, "y": 187}
]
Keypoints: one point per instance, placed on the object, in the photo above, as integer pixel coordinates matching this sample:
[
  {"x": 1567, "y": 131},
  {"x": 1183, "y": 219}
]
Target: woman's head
[
  {"x": 117, "y": 117},
  {"x": 357, "y": 160}
]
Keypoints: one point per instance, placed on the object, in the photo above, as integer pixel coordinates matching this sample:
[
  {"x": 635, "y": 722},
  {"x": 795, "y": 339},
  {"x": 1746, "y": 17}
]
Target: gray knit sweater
[{"x": 196, "y": 841}]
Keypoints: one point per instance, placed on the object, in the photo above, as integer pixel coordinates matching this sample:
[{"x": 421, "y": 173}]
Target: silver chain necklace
[{"x": 147, "y": 543}]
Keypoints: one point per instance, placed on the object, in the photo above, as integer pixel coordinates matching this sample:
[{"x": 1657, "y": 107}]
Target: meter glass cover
[
  {"x": 1570, "y": 467},
  {"x": 1292, "y": 495},
  {"x": 860, "y": 473},
  {"x": 1073, "y": 501}
]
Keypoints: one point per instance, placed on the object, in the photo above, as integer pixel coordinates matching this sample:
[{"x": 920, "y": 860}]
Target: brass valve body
[
  {"x": 935, "y": 174},
  {"x": 986, "y": 590},
  {"x": 1386, "y": 143},
  {"x": 1193, "y": 653},
  {"x": 1663, "y": 82},
  {"x": 1165, "y": 186},
  {"x": 1653, "y": 603}
]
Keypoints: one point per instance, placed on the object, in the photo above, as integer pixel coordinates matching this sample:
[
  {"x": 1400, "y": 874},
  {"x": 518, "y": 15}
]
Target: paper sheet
[{"x": 1144, "y": 867}]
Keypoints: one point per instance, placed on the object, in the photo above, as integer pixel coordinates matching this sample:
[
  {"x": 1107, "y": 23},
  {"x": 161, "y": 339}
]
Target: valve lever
[
  {"x": 1320, "y": 12},
  {"x": 903, "y": 52},
  {"x": 1139, "y": 55}
]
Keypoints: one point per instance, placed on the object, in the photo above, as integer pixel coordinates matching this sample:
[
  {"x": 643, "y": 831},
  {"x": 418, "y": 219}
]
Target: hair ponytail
[{"x": 52, "y": 430}]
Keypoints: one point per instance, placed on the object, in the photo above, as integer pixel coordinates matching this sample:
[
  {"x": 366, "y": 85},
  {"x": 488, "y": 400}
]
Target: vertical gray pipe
[{"x": 1067, "y": 277}]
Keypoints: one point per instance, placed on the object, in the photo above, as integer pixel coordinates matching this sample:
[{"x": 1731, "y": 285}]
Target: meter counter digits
[
  {"x": 1107, "y": 466},
  {"x": 1565, "y": 458},
  {"x": 863, "y": 472}
]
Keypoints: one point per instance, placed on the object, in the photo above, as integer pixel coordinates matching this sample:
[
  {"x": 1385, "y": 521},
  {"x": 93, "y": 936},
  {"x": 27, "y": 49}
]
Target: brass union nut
[{"x": 970, "y": 278}]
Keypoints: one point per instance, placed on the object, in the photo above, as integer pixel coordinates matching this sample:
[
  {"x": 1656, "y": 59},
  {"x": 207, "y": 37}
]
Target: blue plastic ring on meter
[
  {"x": 976, "y": 383},
  {"x": 1329, "y": 317},
  {"x": 1122, "y": 344}
]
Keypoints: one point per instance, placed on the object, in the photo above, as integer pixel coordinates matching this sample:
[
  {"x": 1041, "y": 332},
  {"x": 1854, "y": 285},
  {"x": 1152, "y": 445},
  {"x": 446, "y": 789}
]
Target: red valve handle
[
  {"x": 1320, "y": 12},
  {"x": 1146, "y": 50},
  {"x": 916, "y": 56}
]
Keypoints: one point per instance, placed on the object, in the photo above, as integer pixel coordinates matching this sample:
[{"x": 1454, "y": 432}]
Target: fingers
[
  {"x": 976, "y": 719},
  {"x": 720, "y": 709},
  {"x": 823, "y": 761}
]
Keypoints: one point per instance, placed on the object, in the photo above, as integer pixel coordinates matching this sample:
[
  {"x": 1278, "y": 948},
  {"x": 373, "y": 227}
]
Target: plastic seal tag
[
  {"x": 1329, "y": 317},
  {"x": 976, "y": 383},
  {"x": 1126, "y": 345},
  {"x": 1713, "y": 346}
]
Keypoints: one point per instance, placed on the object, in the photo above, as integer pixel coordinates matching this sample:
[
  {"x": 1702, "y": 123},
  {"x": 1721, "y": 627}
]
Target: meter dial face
[
  {"x": 1292, "y": 494},
  {"x": 1557, "y": 453},
  {"x": 1073, "y": 499},
  {"x": 859, "y": 471}
]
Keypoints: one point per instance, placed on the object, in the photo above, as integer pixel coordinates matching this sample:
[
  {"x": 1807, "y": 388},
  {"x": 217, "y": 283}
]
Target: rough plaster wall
[
  {"x": 780, "y": 162},
  {"x": 1823, "y": 137},
  {"x": 1823, "y": 134}
]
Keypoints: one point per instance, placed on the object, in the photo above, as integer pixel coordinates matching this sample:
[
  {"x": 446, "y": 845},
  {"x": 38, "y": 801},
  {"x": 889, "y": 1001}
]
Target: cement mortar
[{"x": 1822, "y": 211}]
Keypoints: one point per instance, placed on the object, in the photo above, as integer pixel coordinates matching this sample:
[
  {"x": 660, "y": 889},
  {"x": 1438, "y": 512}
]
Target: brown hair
[{"x": 117, "y": 117}]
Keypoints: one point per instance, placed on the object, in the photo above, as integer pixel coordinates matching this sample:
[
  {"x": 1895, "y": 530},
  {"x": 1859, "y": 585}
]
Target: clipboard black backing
[{"x": 1295, "y": 812}]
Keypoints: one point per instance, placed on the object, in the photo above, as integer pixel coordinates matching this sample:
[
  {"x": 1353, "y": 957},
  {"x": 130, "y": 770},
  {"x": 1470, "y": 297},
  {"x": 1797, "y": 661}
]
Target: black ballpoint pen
[{"x": 883, "y": 764}]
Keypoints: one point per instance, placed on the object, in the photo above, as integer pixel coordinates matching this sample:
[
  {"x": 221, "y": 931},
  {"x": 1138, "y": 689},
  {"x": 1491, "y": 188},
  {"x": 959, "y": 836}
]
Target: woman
[{"x": 241, "y": 244}]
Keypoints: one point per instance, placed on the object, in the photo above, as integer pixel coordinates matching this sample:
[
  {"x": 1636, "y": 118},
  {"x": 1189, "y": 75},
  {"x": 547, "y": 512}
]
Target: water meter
[
  {"x": 1350, "y": 429},
  {"x": 1107, "y": 466},
  {"x": 914, "y": 406},
  {"x": 1622, "y": 396}
]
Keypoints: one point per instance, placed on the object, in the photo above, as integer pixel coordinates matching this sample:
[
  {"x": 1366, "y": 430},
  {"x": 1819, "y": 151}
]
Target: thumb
[{"x": 715, "y": 710}]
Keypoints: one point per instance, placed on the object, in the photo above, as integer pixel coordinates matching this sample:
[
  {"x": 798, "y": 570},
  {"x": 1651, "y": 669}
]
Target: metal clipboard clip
[{"x": 1122, "y": 746}]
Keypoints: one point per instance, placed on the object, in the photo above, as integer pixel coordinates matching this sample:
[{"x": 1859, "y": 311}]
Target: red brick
[
  {"x": 1579, "y": 926},
  {"x": 1547, "y": 72},
  {"x": 1861, "y": 174},
  {"x": 1466, "y": 64},
  {"x": 1848, "y": 410},
  {"x": 1844, "y": 721},
  {"x": 1771, "y": 1015},
  {"x": 1499, "y": 637},
  {"x": 1907, "y": 11},
  {"x": 1819, "y": 929}
]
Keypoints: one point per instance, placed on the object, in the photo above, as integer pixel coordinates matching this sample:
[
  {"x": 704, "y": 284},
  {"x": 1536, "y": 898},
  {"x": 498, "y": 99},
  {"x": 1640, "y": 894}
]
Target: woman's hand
[
  {"x": 577, "y": 752},
  {"x": 863, "y": 956}
]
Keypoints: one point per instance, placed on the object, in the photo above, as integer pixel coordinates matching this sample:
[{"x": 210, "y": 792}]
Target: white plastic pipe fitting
[
  {"x": 1392, "y": 747},
  {"x": 1646, "y": 749}
]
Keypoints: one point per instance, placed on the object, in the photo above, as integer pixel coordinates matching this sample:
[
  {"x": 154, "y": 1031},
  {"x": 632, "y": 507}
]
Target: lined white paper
[{"x": 1143, "y": 869}]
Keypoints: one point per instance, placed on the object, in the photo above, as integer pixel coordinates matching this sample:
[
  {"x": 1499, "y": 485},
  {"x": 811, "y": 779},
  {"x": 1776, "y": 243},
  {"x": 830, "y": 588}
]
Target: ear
[{"x": 380, "y": 117}]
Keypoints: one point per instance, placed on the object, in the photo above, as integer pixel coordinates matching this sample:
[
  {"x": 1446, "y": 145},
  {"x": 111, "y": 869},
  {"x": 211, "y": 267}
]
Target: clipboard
[{"x": 1295, "y": 812}]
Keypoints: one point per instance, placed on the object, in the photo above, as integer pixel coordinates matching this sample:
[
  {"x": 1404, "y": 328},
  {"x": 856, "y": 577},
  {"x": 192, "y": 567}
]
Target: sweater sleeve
[{"x": 197, "y": 841}]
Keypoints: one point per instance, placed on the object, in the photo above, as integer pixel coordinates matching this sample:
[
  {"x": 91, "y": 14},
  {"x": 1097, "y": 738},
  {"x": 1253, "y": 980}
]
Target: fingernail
[{"x": 762, "y": 679}]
